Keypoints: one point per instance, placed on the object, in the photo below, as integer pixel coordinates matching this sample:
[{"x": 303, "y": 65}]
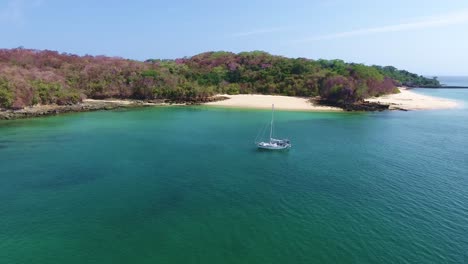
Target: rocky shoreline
[
  {"x": 90, "y": 105},
  {"x": 49, "y": 110},
  {"x": 359, "y": 106}
]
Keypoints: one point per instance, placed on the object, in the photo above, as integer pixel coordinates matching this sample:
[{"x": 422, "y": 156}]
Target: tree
[{"x": 6, "y": 95}]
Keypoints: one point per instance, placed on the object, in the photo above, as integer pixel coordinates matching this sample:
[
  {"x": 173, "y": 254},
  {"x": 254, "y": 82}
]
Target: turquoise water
[{"x": 186, "y": 185}]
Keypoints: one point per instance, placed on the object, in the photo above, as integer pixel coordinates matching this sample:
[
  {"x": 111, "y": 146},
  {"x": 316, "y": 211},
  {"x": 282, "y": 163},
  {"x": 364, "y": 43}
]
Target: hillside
[{"x": 29, "y": 77}]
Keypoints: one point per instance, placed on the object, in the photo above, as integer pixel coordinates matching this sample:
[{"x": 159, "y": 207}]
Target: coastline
[
  {"x": 408, "y": 100},
  {"x": 86, "y": 106},
  {"x": 258, "y": 101},
  {"x": 89, "y": 105}
]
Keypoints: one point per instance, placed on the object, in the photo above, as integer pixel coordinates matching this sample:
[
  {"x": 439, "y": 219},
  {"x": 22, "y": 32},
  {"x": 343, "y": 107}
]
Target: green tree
[{"x": 6, "y": 94}]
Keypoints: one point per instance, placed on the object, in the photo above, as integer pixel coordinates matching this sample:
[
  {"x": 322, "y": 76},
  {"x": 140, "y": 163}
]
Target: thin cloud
[
  {"x": 15, "y": 10},
  {"x": 426, "y": 23},
  {"x": 257, "y": 32}
]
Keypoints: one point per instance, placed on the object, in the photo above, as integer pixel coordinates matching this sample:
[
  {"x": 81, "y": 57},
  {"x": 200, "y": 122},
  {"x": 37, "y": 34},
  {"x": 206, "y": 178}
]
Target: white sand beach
[
  {"x": 405, "y": 100},
  {"x": 409, "y": 100},
  {"x": 264, "y": 102}
]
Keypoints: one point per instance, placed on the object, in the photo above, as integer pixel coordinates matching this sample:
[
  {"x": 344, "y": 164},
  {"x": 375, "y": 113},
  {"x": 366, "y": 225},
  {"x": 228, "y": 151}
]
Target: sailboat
[{"x": 274, "y": 144}]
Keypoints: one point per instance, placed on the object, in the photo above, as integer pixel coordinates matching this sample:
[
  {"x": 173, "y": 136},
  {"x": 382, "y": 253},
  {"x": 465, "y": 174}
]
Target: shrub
[{"x": 6, "y": 95}]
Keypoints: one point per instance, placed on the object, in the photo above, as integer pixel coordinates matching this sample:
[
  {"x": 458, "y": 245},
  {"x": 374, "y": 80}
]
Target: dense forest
[{"x": 29, "y": 77}]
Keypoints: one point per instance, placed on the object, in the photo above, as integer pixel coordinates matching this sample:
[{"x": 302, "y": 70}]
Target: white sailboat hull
[
  {"x": 275, "y": 144},
  {"x": 269, "y": 147}
]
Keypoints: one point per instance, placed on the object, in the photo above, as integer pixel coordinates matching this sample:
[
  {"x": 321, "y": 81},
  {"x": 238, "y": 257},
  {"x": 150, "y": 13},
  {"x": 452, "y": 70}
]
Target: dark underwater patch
[{"x": 65, "y": 180}]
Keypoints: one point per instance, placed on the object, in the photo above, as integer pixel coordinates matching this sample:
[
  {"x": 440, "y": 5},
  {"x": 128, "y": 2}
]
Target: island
[{"x": 44, "y": 82}]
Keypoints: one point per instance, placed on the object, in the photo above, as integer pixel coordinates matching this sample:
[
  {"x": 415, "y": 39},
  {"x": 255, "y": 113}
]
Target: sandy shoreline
[
  {"x": 409, "y": 100},
  {"x": 405, "y": 100},
  {"x": 257, "y": 101}
]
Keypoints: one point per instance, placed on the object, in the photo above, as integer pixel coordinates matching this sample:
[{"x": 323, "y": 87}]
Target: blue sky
[{"x": 428, "y": 37}]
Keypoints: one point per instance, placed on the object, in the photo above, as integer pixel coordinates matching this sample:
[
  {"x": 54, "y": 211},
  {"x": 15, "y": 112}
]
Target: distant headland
[{"x": 48, "y": 78}]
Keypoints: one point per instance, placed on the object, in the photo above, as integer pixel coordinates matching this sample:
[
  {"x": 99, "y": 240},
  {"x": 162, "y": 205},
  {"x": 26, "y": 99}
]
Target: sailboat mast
[{"x": 272, "y": 115}]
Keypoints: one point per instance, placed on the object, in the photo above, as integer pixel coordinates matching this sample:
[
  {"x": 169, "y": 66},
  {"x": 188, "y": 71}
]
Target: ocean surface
[
  {"x": 454, "y": 80},
  {"x": 187, "y": 185}
]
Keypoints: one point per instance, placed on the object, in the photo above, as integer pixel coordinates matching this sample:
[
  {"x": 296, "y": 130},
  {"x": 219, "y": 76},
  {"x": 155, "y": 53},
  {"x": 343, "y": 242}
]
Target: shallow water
[{"x": 186, "y": 185}]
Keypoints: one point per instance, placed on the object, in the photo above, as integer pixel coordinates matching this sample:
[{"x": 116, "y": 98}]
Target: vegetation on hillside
[
  {"x": 29, "y": 77},
  {"x": 407, "y": 78}
]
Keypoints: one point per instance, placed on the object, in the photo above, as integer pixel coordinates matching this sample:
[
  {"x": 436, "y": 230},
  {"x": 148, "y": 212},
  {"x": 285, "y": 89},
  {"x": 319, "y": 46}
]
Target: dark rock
[{"x": 357, "y": 106}]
